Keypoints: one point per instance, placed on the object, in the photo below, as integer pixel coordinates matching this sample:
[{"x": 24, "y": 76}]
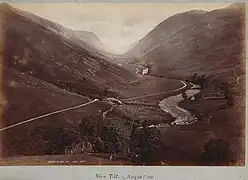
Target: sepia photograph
[{"x": 137, "y": 84}]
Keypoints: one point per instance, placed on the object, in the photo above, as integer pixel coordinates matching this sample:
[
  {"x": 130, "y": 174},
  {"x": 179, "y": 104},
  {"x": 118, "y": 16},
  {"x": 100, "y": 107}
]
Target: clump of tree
[
  {"x": 55, "y": 140},
  {"x": 184, "y": 95},
  {"x": 112, "y": 140},
  {"x": 230, "y": 99},
  {"x": 88, "y": 129},
  {"x": 216, "y": 152},
  {"x": 200, "y": 79},
  {"x": 226, "y": 90},
  {"x": 98, "y": 145},
  {"x": 145, "y": 143}
]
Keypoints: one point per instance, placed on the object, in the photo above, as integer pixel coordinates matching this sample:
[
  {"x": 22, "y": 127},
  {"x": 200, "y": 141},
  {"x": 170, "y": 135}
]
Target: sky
[{"x": 118, "y": 25}]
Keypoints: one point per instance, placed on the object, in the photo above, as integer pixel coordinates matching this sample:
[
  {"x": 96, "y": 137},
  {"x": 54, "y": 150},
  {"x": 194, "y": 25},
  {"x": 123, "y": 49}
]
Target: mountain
[
  {"x": 92, "y": 39},
  {"x": 132, "y": 46},
  {"x": 45, "y": 67},
  {"x": 163, "y": 31},
  {"x": 52, "y": 53},
  {"x": 195, "y": 42}
]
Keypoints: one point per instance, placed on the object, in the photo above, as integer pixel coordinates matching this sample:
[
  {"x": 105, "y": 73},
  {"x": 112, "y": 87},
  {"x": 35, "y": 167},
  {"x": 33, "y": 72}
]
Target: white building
[{"x": 145, "y": 71}]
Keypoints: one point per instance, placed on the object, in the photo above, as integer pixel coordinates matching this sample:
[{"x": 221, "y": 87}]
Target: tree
[
  {"x": 112, "y": 140},
  {"x": 230, "y": 100},
  {"x": 225, "y": 89},
  {"x": 194, "y": 77},
  {"x": 184, "y": 95},
  {"x": 145, "y": 142},
  {"x": 144, "y": 123},
  {"x": 106, "y": 91},
  {"x": 88, "y": 129},
  {"x": 202, "y": 81},
  {"x": 98, "y": 145},
  {"x": 216, "y": 152},
  {"x": 58, "y": 140}
]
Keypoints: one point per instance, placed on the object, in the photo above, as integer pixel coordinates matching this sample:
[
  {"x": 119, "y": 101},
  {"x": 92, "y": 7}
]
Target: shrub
[
  {"x": 216, "y": 152},
  {"x": 145, "y": 142}
]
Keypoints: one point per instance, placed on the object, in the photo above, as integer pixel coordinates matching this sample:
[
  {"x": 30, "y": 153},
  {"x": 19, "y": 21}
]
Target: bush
[
  {"x": 88, "y": 129},
  {"x": 112, "y": 140},
  {"x": 216, "y": 152},
  {"x": 230, "y": 99},
  {"x": 201, "y": 80},
  {"x": 145, "y": 142},
  {"x": 98, "y": 145}
]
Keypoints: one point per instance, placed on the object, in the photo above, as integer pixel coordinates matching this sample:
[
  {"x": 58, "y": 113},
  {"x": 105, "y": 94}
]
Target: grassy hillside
[
  {"x": 27, "y": 97},
  {"x": 210, "y": 43},
  {"x": 91, "y": 39},
  {"x": 196, "y": 41},
  {"x": 45, "y": 67},
  {"x": 46, "y": 51}
]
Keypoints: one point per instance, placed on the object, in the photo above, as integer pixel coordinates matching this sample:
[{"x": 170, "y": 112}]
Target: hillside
[
  {"x": 25, "y": 97},
  {"x": 163, "y": 31},
  {"x": 195, "y": 42},
  {"x": 49, "y": 52},
  {"x": 91, "y": 39},
  {"x": 210, "y": 43},
  {"x": 45, "y": 68}
]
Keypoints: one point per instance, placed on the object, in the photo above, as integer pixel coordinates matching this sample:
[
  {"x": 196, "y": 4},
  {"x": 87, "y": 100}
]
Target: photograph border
[{"x": 127, "y": 172}]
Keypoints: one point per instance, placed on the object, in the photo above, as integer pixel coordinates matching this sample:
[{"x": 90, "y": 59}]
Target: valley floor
[
  {"x": 216, "y": 120},
  {"x": 183, "y": 144}
]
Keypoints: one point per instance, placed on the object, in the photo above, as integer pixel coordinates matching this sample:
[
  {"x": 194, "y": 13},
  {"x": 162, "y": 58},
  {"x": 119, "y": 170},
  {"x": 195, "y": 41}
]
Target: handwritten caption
[{"x": 113, "y": 176}]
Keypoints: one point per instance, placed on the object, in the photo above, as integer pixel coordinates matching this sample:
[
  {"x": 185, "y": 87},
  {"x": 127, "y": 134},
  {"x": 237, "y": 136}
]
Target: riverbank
[
  {"x": 171, "y": 105},
  {"x": 122, "y": 116},
  {"x": 184, "y": 144},
  {"x": 145, "y": 105},
  {"x": 218, "y": 120}
]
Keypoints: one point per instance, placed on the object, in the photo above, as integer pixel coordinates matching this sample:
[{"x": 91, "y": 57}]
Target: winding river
[{"x": 170, "y": 105}]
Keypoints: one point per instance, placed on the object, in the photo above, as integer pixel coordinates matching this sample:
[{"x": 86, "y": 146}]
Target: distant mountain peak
[
  {"x": 196, "y": 11},
  {"x": 4, "y": 7},
  {"x": 237, "y": 5},
  {"x": 88, "y": 33}
]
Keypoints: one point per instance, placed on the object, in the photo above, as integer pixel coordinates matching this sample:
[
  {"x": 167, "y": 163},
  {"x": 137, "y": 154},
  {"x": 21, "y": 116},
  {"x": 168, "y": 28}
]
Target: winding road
[
  {"x": 91, "y": 102},
  {"x": 172, "y": 108},
  {"x": 156, "y": 94},
  {"x": 48, "y": 114}
]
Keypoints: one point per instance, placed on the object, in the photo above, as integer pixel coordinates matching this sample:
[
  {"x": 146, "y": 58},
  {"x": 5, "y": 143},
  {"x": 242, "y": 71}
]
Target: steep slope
[
  {"x": 163, "y": 31},
  {"x": 196, "y": 41},
  {"x": 27, "y": 97},
  {"x": 50, "y": 52},
  {"x": 212, "y": 44},
  {"x": 91, "y": 39},
  {"x": 131, "y": 47},
  {"x": 45, "y": 68}
]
